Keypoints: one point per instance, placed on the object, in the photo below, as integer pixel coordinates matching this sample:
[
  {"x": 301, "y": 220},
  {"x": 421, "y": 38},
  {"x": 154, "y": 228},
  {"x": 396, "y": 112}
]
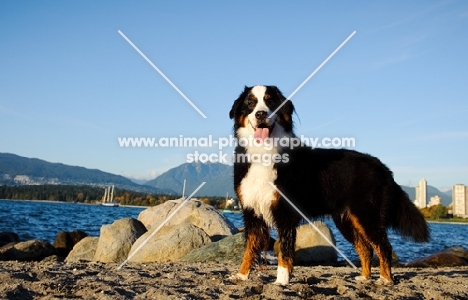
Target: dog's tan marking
[{"x": 365, "y": 255}]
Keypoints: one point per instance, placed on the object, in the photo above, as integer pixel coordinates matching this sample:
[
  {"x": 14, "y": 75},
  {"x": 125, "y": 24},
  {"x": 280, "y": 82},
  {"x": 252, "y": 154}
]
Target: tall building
[
  {"x": 421, "y": 195},
  {"x": 460, "y": 200}
]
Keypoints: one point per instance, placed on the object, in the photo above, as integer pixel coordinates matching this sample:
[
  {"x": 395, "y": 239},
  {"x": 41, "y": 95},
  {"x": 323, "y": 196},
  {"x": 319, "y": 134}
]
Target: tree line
[
  {"x": 441, "y": 213},
  {"x": 91, "y": 195}
]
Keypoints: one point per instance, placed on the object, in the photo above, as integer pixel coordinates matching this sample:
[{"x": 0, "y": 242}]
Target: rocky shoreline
[{"x": 192, "y": 256}]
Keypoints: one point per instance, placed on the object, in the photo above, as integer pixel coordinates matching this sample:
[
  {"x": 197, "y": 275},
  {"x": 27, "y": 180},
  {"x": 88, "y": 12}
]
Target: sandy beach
[{"x": 52, "y": 279}]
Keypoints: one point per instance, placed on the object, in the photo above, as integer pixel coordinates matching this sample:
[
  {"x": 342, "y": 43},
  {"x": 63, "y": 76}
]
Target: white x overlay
[
  {"x": 203, "y": 115},
  {"x": 162, "y": 74},
  {"x": 160, "y": 226}
]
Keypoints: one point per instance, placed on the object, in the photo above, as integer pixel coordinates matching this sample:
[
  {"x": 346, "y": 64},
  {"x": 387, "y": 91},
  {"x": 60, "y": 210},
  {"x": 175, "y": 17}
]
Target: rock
[
  {"x": 33, "y": 250},
  {"x": 116, "y": 240},
  {"x": 7, "y": 237},
  {"x": 84, "y": 250},
  {"x": 458, "y": 251},
  {"x": 227, "y": 250},
  {"x": 440, "y": 259},
  {"x": 195, "y": 212},
  {"x": 169, "y": 243},
  {"x": 311, "y": 247},
  {"x": 65, "y": 241}
]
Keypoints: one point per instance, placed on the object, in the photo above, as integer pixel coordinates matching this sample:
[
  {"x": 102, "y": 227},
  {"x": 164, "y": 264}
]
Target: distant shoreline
[
  {"x": 447, "y": 222},
  {"x": 233, "y": 211},
  {"x": 47, "y": 201}
]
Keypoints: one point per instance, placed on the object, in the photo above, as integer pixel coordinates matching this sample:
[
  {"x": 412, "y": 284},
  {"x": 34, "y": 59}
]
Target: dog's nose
[{"x": 261, "y": 114}]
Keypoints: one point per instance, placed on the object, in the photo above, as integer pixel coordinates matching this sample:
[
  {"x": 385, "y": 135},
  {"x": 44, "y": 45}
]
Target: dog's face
[{"x": 252, "y": 112}]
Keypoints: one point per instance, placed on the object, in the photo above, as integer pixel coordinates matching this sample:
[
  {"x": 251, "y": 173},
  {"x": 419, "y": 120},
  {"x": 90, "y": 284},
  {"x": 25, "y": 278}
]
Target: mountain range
[
  {"x": 219, "y": 181},
  {"x": 17, "y": 170},
  {"x": 218, "y": 178}
]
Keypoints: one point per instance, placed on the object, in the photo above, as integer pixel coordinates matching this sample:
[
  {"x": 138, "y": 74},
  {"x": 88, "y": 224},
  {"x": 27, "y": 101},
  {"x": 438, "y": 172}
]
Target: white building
[
  {"x": 421, "y": 195},
  {"x": 460, "y": 200},
  {"x": 232, "y": 203},
  {"x": 435, "y": 200},
  {"x": 23, "y": 179}
]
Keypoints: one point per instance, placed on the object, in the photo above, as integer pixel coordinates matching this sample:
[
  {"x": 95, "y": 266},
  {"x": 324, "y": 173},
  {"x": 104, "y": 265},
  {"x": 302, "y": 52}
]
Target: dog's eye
[
  {"x": 252, "y": 101},
  {"x": 268, "y": 100}
]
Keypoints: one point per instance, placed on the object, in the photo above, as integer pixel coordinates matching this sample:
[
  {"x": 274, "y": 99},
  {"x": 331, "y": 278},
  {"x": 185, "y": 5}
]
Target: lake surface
[{"x": 44, "y": 220}]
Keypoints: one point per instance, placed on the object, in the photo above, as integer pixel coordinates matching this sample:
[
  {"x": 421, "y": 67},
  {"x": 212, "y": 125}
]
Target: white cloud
[
  {"x": 153, "y": 174},
  {"x": 396, "y": 59},
  {"x": 142, "y": 177},
  {"x": 415, "y": 15}
]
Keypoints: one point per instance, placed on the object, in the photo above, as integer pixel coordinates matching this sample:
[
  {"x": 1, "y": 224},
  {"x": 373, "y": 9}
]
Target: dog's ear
[
  {"x": 288, "y": 108},
  {"x": 238, "y": 103}
]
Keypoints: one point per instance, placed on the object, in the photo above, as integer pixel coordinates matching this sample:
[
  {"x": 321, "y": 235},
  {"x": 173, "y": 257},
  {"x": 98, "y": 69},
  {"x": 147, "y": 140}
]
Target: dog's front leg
[
  {"x": 257, "y": 235},
  {"x": 287, "y": 239}
]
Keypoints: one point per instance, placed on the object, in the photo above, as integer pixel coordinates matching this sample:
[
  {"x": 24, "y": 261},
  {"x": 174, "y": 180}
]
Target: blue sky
[{"x": 70, "y": 85}]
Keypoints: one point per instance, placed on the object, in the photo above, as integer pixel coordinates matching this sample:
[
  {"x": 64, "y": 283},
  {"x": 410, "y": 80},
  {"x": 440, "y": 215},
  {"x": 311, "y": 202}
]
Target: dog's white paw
[
  {"x": 282, "y": 283},
  {"x": 384, "y": 281},
  {"x": 239, "y": 276},
  {"x": 283, "y": 276},
  {"x": 362, "y": 279}
]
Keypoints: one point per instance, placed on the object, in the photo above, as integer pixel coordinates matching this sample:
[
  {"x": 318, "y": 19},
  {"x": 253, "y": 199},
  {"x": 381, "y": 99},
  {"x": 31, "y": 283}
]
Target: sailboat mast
[
  {"x": 112, "y": 194},
  {"x": 105, "y": 195}
]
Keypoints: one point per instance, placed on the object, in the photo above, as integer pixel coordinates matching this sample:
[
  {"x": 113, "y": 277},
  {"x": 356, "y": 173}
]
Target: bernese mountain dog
[{"x": 357, "y": 190}]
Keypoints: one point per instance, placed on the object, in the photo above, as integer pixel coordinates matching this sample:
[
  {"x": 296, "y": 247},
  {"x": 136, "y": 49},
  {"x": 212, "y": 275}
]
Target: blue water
[
  {"x": 44, "y": 220},
  {"x": 443, "y": 235}
]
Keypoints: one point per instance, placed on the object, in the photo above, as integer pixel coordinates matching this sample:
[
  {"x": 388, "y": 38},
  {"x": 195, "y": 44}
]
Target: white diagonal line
[
  {"x": 160, "y": 226},
  {"x": 313, "y": 225},
  {"x": 162, "y": 74},
  {"x": 313, "y": 73}
]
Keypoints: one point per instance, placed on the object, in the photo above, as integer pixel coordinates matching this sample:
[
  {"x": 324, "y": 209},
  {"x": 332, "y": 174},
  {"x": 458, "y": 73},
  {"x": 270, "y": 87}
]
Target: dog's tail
[{"x": 407, "y": 220}]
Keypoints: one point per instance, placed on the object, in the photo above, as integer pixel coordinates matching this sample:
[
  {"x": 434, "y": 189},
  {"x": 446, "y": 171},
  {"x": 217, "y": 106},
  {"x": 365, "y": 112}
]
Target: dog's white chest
[{"x": 256, "y": 191}]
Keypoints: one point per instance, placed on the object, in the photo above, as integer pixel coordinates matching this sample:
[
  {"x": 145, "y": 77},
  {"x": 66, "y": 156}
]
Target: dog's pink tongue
[{"x": 261, "y": 133}]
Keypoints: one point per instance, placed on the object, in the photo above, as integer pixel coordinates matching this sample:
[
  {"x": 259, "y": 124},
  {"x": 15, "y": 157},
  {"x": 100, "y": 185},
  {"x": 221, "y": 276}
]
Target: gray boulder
[
  {"x": 311, "y": 247},
  {"x": 457, "y": 251},
  {"x": 168, "y": 244},
  {"x": 34, "y": 250},
  {"x": 8, "y": 237},
  {"x": 195, "y": 212},
  {"x": 84, "y": 250},
  {"x": 65, "y": 241},
  {"x": 438, "y": 260},
  {"x": 227, "y": 250},
  {"x": 116, "y": 240}
]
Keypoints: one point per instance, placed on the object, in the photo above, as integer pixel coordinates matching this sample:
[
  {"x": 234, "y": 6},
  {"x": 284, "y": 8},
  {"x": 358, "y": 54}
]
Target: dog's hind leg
[
  {"x": 257, "y": 236},
  {"x": 363, "y": 248},
  {"x": 364, "y": 251},
  {"x": 383, "y": 249},
  {"x": 374, "y": 235}
]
